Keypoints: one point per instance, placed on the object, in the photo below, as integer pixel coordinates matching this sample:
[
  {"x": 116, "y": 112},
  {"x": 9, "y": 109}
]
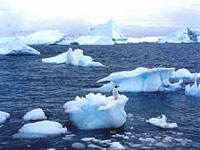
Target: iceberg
[
  {"x": 43, "y": 37},
  {"x": 139, "y": 40},
  {"x": 4, "y": 116},
  {"x": 162, "y": 122},
  {"x": 71, "y": 57},
  {"x": 102, "y": 34},
  {"x": 96, "y": 111},
  {"x": 140, "y": 80},
  {"x": 40, "y": 129},
  {"x": 35, "y": 114},
  {"x": 181, "y": 36},
  {"x": 184, "y": 74},
  {"x": 193, "y": 90},
  {"x": 17, "y": 48}
]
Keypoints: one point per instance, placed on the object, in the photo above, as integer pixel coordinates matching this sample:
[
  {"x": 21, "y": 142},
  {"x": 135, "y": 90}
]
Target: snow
[
  {"x": 116, "y": 145},
  {"x": 184, "y": 74},
  {"x": 96, "y": 111},
  {"x": 43, "y": 37},
  {"x": 71, "y": 57},
  {"x": 41, "y": 128},
  {"x": 4, "y": 116},
  {"x": 193, "y": 90},
  {"x": 35, "y": 114},
  {"x": 16, "y": 48},
  {"x": 184, "y": 35},
  {"x": 162, "y": 122},
  {"x": 140, "y": 80}
]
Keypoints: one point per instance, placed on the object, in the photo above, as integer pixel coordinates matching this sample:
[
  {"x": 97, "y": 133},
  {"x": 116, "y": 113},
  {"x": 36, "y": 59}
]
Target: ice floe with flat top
[
  {"x": 17, "y": 48},
  {"x": 35, "y": 114},
  {"x": 161, "y": 122},
  {"x": 4, "y": 116},
  {"x": 40, "y": 129},
  {"x": 96, "y": 111},
  {"x": 140, "y": 80},
  {"x": 193, "y": 90},
  {"x": 71, "y": 57}
]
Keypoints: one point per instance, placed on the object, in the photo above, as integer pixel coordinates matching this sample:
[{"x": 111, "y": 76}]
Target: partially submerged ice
[
  {"x": 35, "y": 114},
  {"x": 17, "y": 48},
  {"x": 162, "y": 122},
  {"x": 96, "y": 111},
  {"x": 4, "y": 116},
  {"x": 140, "y": 80},
  {"x": 71, "y": 57},
  {"x": 193, "y": 90}
]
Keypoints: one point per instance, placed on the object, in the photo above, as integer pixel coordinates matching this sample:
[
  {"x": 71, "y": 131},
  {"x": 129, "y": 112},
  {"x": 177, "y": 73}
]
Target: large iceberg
[
  {"x": 71, "y": 57},
  {"x": 4, "y": 116},
  {"x": 140, "y": 80},
  {"x": 193, "y": 90},
  {"x": 96, "y": 111},
  {"x": 17, "y": 48},
  {"x": 43, "y": 37},
  {"x": 102, "y": 34},
  {"x": 181, "y": 36}
]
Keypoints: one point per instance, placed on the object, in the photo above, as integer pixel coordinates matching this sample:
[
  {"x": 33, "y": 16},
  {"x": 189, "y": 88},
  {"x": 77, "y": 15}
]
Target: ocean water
[{"x": 27, "y": 83}]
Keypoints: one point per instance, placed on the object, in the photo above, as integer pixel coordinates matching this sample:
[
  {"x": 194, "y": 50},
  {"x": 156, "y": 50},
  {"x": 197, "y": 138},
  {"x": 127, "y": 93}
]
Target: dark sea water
[{"x": 27, "y": 83}]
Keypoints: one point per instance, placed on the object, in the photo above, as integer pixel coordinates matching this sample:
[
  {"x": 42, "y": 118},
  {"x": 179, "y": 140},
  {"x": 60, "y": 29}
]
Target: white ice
[
  {"x": 4, "y": 116},
  {"x": 40, "y": 129},
  {"x": 71, "y": 57},
  {"x": 96, "y": 111},
  {"x": 184, "y": 74},
  {"x": 116, "y": 145},
  {"x": 16, "y": 48},
  {"x": 140, "y": 80},
  {"x": 193, "y": 90},
  {"x": 35, "y": 114},
  {"x": 161, "y": 122},
  {"x": 43, "y": 37},
  {"x": 139, "y": 40}
]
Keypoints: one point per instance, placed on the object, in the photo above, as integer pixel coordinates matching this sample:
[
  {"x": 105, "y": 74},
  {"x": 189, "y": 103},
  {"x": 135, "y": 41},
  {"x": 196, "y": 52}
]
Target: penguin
[{"x": 115, "y": 92}]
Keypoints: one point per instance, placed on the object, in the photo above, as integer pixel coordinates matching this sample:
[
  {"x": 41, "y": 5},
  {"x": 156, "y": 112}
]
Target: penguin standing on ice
[{"x": 115, "y": 92}]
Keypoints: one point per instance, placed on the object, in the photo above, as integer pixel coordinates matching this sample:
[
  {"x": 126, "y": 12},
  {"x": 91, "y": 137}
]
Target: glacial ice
[
  {"x": 193, "y": 90},
  {"x": 17, "y": 48},
  {"x": 181, "y": 36},
  {"x": 161, "y": 122},
  {"x": 184, "y": 74},
  {"x": 140, "y": 80},
  {"x": 40, "y": 128},
  {"x": 71, "y": 57},
  {"x": 139, "y": 40},
  {"x": 4, "y": 116},
  {"x": 96, "y": 111},
  {"x": 43, "y": 37},
  {"x": 35, "y": 114}
]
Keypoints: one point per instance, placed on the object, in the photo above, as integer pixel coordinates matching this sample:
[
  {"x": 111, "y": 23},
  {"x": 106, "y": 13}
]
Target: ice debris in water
[
  {"x": 4, "y": 116},
  {"x": 35, "y": 114}
]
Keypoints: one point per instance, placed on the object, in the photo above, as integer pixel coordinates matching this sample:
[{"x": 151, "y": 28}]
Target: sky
[{"x": 74, "y": 17}]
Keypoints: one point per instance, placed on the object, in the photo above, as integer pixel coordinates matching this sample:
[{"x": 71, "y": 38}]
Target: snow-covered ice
[
  {"x": 35, "y": 114},
  {"x": 140, "y": 80},
  {"x": 41, "y": 128},
  {"x": 96, "y": 111},
  {"x": 193, "y": 90},
  {"x": 161, "y": 122},
  {"x": 17, "y": 48},
  {"x": 4, "y": 116},
  {"x": 43, "y": 37},
  {"x": 71, "y": 57}
]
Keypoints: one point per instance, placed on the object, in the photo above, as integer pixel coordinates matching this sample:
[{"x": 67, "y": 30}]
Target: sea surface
[{"x": 27, "y": 83}]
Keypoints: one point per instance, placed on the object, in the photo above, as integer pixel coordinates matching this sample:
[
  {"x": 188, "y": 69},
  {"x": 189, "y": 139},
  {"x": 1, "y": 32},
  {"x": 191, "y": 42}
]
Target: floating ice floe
[
  {"x": 162, "y": 122},
  {"x": 140, "y": 80},
  {"x": 185, "y": 74},
  {"x": 17, "y": 48},
  {"x": 4, "y": 116},
  {"x": 116, "y": 145},
  {"x": 193, "y": 90},
  {"x": 96, "y": 111},
  {"x": 40, "y": 129},
  {"x": 35, "y": 114},
  {"x": 71, "y": 57},
  {"x": 181, "y": 36},
  {"x": 43, "y": 37},
  {"x": 78, "y": 145}
]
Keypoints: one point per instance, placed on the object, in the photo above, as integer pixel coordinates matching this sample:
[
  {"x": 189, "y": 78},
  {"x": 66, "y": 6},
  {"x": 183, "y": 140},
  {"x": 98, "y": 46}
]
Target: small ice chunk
[
  {"x": 35, "y": 114},
  {"x": 116, "y": 145},
  {"x": 4, "y": 116},
  {"x": 161, "y": 122},
  {"x": 88, "y": 139},
  {"x": 193, "y": 90},
  {"x": 78, "y": 145},
  {"x": 147, "y": 140}
]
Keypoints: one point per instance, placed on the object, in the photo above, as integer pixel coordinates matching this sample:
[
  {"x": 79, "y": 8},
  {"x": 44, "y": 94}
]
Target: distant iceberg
[
  {"x": 71, "y": 57},
  {"x": 43, "y": 37},
  {"x": 140, "y": 80},
  {"x": 193, "y": 90},
  {"x": 96, "y": 111},
  {"x": 185, "y": 35},
  {"x": 17, "y": 48},
  {"x": 139, "y": 40},
  {"x": 4, "y": 116}
]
